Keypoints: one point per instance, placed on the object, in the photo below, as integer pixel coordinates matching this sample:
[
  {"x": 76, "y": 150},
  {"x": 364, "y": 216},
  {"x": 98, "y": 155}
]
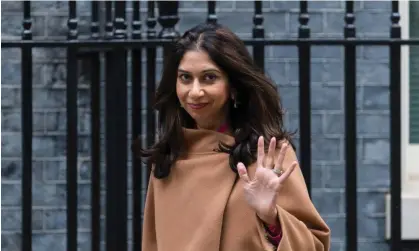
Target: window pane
[{"x": 414, "y": 74}]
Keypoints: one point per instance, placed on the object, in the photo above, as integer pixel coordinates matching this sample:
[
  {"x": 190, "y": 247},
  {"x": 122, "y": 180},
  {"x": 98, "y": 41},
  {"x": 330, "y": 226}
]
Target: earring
[{"x": 235, "y": 104}]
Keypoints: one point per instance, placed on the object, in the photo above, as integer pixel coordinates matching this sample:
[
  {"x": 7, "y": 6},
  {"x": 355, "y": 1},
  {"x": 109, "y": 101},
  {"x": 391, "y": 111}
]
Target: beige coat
[{"x": 201, "y": 206}]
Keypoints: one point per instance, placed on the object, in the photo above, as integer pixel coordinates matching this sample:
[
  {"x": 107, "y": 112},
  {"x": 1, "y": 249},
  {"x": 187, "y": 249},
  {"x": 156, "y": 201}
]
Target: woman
[{"x": 213, "y": 185}]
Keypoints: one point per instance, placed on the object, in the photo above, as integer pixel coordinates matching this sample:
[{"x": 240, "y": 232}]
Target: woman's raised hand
[{"x": 261, "y": 191}]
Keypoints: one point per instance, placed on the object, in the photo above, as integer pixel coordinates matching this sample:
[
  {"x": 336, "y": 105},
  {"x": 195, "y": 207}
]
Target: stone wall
[{"x": 281, "y": 21}]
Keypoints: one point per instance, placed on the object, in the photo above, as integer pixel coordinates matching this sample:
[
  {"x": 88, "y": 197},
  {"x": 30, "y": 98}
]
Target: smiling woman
[
  {"x": 213, "y": 186},
  {"x": 203, "y": 90}
]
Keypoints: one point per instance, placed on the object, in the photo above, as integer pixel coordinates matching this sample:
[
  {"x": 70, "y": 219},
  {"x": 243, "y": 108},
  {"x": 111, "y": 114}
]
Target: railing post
[
  {"x": 168, "y": 18},
  {"x": 304, "y": 55},
  {"x": 108, "y": 17},
  {"x": 151, "y": 81},
  {"x": 136, "y": 128},
  {"x": 95, "y": 130},
  {"x": 136, "y": 20},
  {"x": 116, "y": 137},
  {"x": 258, "y": 33},
  {"x": 212, "y": 17},
  {"x": 350, "y": 131},
  {"x": 27, "y": 128},
  {"x": 72, "y": 82},
  {"x": 119, "y": 22},
  {"x": 395, "y": 130}
]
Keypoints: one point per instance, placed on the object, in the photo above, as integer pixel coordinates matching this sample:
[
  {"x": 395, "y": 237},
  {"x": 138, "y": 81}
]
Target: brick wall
[{"x": 281, "y": 21}]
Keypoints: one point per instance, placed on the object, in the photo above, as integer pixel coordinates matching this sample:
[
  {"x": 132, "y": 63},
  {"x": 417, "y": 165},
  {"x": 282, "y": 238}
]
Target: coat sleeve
[
  {"x": 303, "y": 229},
  {"x": 149, "y": 240}
]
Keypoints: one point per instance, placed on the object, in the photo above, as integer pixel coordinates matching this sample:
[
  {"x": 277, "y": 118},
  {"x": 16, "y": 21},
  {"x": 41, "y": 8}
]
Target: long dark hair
[{"x": 259, "y": 111}]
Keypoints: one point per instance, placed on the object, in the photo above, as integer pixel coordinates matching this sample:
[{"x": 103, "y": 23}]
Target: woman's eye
[
  {"x": 184, "y": 77},
  {"x": 210, "y": 77}
]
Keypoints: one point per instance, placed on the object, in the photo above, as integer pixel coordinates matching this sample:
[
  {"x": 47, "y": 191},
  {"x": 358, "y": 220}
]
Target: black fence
[{"x": 115, "y": 45}]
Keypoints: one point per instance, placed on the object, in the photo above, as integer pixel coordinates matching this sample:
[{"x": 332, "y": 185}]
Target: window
[{"x": 414, "y": 75}]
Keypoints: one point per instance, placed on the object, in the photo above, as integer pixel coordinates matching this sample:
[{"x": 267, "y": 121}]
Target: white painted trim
[
  {"x": 409, "y": 152},
  {"x": 410, "y": 217},
  {"x": 404, "y": 23}
]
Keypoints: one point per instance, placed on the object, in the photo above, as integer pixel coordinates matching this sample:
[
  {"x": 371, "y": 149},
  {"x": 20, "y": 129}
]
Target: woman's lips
[{"x": 197, "y": 106}]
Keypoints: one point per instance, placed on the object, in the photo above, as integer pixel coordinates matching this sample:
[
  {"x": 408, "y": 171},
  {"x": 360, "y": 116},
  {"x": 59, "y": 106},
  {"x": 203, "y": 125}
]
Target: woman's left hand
[{"x": 261, "y": 191}]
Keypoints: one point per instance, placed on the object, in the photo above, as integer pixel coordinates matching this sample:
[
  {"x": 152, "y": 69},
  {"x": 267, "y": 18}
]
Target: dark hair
[{"x": 259, "y": 111}]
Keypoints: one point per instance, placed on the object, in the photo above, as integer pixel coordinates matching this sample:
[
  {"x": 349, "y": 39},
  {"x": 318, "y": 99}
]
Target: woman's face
[{"x": 203, "y": 89}]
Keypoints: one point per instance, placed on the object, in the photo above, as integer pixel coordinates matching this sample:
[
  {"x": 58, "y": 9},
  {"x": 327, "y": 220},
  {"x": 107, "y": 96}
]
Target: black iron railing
[{"x": 115, "y": 45}]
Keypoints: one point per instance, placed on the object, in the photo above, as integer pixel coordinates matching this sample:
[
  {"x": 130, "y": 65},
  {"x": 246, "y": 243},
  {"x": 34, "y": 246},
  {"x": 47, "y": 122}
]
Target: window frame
[{"x": 410, "y": 151}]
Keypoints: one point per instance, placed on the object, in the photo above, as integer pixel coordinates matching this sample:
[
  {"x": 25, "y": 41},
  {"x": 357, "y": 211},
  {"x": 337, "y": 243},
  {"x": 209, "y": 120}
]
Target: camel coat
[{"x": 201, "y": 206}]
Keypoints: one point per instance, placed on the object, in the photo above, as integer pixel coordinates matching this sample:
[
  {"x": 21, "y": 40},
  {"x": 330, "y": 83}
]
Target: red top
[
  {"x": 274, "y": 233},
  {"x": 223, "y": 128}
]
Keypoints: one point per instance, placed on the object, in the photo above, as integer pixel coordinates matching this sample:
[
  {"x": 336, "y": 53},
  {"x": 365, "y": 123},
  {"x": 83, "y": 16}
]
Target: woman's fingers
[
  {"x": 281, "y": 157},
  {"x": 261, "y": 151},
  {"x": 241, "y": 169},
  {"x": 269, "y": 163},
  {"x": 288, "y": 172}
]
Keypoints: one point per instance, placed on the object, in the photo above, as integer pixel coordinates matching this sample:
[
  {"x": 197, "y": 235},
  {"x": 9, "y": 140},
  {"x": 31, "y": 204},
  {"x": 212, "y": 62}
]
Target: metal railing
[{"x": 115, "y": 45}]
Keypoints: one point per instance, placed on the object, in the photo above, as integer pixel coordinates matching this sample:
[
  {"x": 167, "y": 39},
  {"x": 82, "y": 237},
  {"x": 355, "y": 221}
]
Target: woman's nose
[{"x": 196, "y": 90}]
